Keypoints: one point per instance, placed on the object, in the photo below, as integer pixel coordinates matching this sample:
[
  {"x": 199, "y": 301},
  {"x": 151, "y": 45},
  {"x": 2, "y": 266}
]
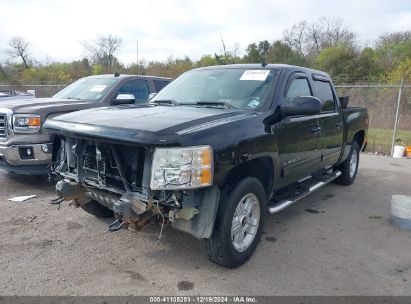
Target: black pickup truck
[
  {"x": 212, "y": 153},
  {"x": 26, "y": 148}
]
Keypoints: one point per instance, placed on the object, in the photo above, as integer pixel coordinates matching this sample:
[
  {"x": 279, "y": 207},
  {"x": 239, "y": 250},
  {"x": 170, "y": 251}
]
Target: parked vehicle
[
  {"x": 11, "y": 95},
  {"x": 212, "y": 153},
  {"x": 26, "y": 148}
]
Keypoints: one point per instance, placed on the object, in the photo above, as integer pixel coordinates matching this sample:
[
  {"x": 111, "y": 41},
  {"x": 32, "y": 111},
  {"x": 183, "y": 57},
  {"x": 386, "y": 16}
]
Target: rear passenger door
[
  {"x": 137, "y": 87},
  {"x": 331, "y": 121},
  {"x": 298, "y": 137}
]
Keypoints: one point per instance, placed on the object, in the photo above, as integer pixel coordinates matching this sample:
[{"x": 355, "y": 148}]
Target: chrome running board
[{"x": 284, "y": 203}]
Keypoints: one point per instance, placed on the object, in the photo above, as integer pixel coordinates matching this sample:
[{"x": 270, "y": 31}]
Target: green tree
[
  {"x": 402, "y": 70},
  {"x": 339, "y": 61},
  {"x": 279, "y": 52},
  {"x": 367, "y": 67},
  {"x": 97, "y": 69},
  {"x": 207, "y": 60},
  {"x": 393, "y": 48},
  {"x": 263, "y": 47},
  {"x": 252, "y": 54}
]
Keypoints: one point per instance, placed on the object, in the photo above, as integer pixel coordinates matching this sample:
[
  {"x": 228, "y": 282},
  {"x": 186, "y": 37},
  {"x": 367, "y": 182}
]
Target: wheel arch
[
  {"x": 359, "y": 137},
  {"x": 262, "y": 168}
]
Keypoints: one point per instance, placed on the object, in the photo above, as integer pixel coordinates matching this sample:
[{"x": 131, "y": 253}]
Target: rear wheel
[
  {"x": 95, "y": 208},
  {"x": 349, "y": 167},
  {"x": 239, "y": 223}
]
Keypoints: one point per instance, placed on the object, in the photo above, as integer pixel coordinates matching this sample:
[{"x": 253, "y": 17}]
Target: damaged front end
[{"x": 119, "y": 177}]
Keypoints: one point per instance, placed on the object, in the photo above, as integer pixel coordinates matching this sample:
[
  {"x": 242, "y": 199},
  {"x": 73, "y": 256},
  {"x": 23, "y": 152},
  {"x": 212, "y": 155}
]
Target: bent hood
[
  {"x": 145, "y": 124},
  {"x": 44, "y": 106}
]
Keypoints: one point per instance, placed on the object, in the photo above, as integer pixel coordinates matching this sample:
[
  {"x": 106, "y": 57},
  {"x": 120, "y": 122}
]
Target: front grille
[
  {"x": 3, "y": 125},
  {"x": 108, "y": 165}
]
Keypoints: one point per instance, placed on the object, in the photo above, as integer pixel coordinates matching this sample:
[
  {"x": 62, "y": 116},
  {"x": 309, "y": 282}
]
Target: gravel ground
[{"x": 338, "y": 241}]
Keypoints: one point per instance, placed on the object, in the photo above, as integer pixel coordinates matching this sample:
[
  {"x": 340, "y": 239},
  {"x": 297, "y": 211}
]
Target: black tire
[
  {"x": 219, "y": 248},
  {"x": 347, "y": 178},
  {"x": 95, "y": 208}
]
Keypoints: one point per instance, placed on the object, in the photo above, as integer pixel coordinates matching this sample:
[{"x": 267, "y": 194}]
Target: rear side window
[
  {"x": 160, "y": 84},
  {"x": 298, "y": 87},
  {"x": 323, "y": 91},
  {"x": 137, "y": 87}
]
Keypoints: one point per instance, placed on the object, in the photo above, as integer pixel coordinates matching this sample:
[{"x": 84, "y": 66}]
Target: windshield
[
  {"x": 229, "y": 87},
  {"x": 89, "y": 89}
]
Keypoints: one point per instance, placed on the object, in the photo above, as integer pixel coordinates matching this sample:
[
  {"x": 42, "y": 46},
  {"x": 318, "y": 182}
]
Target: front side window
[
  {"x": 235, "y": 87},
  {"x": 298, "y": 87},
  {"x": 323, "y": 91},
  {"x": 136, "y": 87},
  {"x": 87, "y": 89}
]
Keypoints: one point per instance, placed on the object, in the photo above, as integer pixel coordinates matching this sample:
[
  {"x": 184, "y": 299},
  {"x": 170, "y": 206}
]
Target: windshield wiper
[
  {"x": 167, "y": 101},
  {"x": 215, "y": 103}
]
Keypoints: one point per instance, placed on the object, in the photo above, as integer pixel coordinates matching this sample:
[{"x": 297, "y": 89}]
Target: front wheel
[
  {"x": 349, "y": 167},
  {"x": 239, "y": 224}
]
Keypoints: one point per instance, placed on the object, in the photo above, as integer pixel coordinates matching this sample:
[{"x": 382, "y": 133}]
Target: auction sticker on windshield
[
  {"x": 98, "y": 88},
  {"x": 259, "y": 75}
]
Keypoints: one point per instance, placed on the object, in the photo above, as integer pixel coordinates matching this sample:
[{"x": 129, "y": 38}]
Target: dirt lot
[{"x": 338, "y": 241}]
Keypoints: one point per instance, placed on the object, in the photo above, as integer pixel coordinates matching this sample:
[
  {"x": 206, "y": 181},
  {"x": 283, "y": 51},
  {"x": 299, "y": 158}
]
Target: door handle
[{"x": 339, "y": 124}]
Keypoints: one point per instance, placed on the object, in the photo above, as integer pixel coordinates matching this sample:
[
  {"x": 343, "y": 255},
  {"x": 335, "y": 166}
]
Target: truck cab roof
[
  {"x": 257, "y": 66},
  {"x": 125, "y": 76}
]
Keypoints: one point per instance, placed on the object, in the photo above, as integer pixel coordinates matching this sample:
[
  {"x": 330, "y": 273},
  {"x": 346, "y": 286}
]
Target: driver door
[
  {"x": 298, "y": 137},
  {"x": 137, "y": 87}
]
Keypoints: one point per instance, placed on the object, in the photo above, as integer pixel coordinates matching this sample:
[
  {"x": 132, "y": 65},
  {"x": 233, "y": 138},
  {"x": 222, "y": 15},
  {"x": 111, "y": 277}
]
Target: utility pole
[
  {"x": 137, "y": 58},
  {"x": 396, "y": 118}
]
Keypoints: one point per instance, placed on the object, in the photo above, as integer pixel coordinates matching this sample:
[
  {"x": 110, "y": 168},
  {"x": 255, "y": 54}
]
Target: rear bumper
[{"x": 15, "y": 159}]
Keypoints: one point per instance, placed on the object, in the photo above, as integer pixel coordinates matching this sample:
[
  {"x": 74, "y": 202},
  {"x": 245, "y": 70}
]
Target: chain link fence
[
  {"x": 381, "y": 102},
  {"x": 40, "y": 90}
]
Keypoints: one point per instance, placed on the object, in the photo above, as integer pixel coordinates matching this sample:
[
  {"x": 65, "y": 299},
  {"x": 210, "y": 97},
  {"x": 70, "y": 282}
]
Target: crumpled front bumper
[{"x": 13, "y": 158}]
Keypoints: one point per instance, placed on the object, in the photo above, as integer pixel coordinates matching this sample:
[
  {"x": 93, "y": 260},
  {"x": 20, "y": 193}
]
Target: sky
[{"x": 56, "y": 28}]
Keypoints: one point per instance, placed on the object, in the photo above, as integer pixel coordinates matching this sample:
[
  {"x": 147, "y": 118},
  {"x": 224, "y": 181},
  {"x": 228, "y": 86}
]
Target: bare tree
[
  {"x": 335, "y": 32},
  {"x": 19, "y": 48},
  {"x": 393, "y": 48},
  {"x": 393, "y": 38},
  {"x": 308, "y": 39},
  {"x": 295, "y": 36},
  {"x": 103, "y": 49},
  {"x": 235, "y": 49},
  {"x": 224, "y": 48}
]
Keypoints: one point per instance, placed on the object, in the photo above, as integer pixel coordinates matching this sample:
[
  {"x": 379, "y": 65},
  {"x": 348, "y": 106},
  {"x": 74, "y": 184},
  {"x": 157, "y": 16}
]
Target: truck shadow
[{"x": 30, "y": 180}]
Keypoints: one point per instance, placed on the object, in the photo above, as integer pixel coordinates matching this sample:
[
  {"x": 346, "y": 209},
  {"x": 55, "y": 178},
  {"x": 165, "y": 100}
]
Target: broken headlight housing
[
  {"x": 182, "y": 168},
  {"x": 26, "y": 123}
]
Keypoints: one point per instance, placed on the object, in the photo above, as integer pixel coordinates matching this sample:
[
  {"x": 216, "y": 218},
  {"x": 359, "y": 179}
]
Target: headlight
[
  {"x": 182, "y": 168},
  {"x": 26, "y": 123}
]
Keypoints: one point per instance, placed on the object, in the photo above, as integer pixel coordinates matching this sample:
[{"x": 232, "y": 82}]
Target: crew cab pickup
[
  {"x": 26, "y": 148},
  {"x": 212, "y": 153}
]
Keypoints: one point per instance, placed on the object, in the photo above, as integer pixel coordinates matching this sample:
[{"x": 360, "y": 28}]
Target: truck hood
[
  {"x": 143, "y": 124},
  {"x": 44, "y": 106}
]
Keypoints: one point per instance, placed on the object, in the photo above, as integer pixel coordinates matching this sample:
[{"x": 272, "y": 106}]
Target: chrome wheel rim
[
  {"x": 245, "y": 222},
  {"x": 353, "y": 163}
]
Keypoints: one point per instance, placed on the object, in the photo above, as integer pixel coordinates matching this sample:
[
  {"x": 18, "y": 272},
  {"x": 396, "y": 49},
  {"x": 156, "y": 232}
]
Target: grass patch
[{"x": 379, "y": 140}]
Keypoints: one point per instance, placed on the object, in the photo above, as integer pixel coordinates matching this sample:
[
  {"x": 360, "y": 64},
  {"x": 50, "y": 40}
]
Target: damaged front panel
[
  {"x": 115, "y": 168},
  {"x": 118, "y": 177}
]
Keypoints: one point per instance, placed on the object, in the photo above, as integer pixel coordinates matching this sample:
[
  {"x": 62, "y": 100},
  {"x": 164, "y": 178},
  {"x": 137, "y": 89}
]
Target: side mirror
[
  {"x": 151, "y": 96},
  {"x": 303, "y": 105},
  {"x": 344, "y": 101},
  {"x": 124, "y": 99}
]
